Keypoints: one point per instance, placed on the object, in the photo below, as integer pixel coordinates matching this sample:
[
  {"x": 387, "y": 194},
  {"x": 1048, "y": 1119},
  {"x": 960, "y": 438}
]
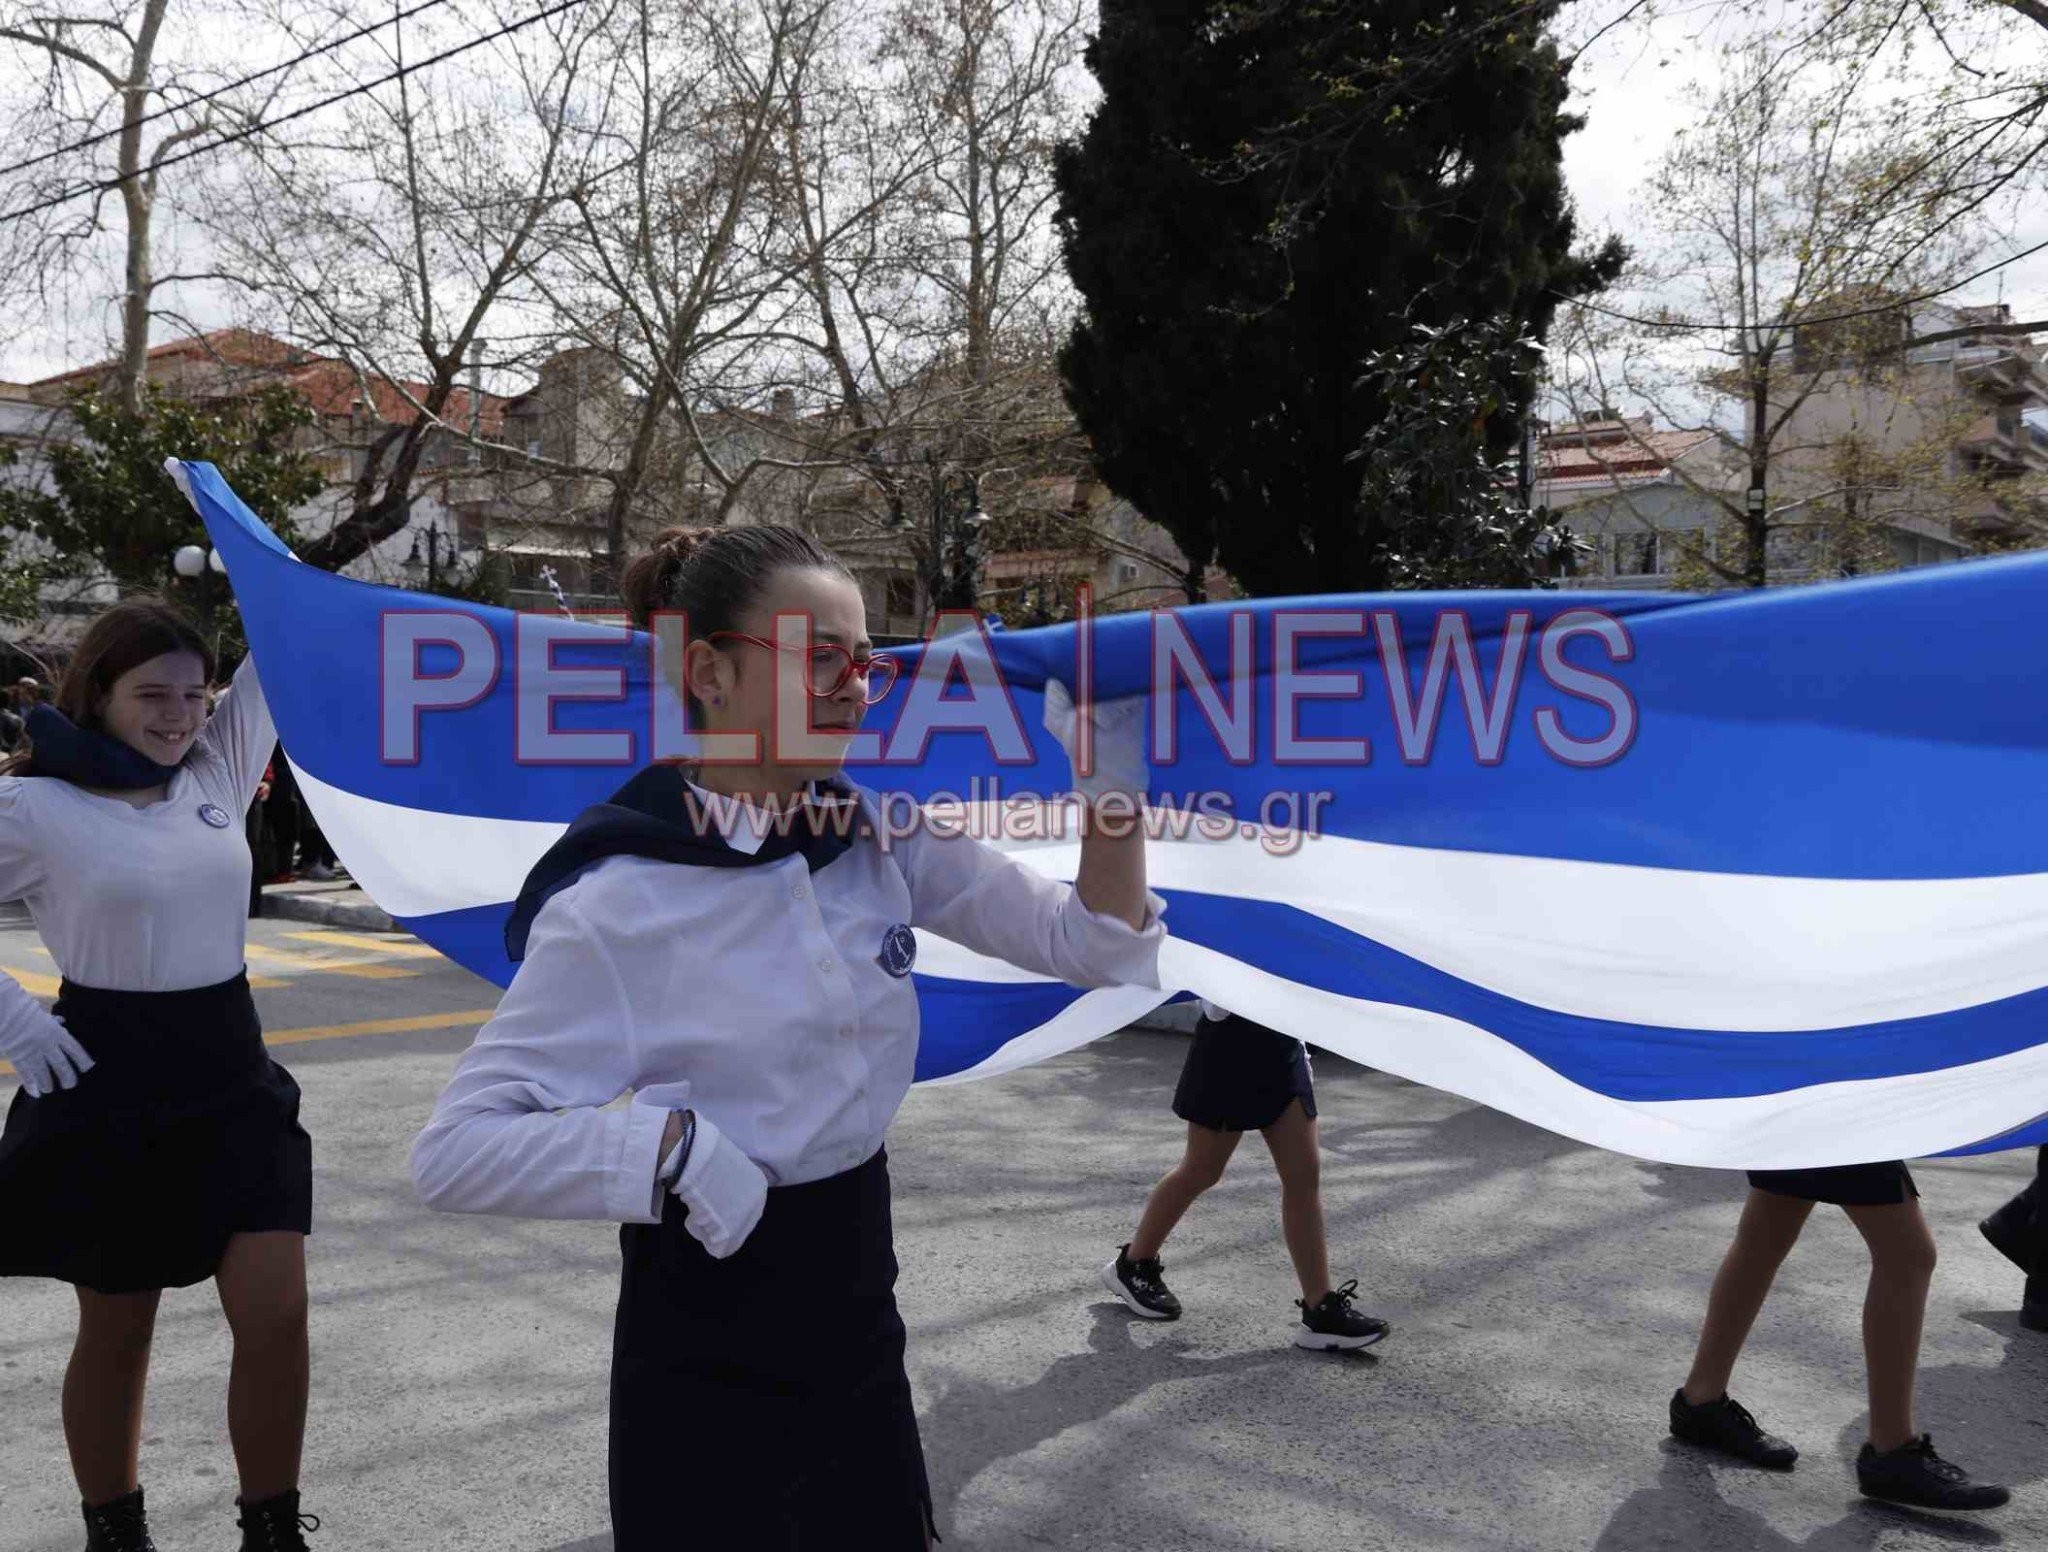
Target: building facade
[{"x": 526, "y": 500}]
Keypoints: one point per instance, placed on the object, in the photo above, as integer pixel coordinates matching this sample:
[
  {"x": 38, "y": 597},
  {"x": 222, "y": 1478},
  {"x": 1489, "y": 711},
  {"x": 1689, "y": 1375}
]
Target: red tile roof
[
  {"x": 328, "y": 384},
  {"x": 1602, "y": 449}
]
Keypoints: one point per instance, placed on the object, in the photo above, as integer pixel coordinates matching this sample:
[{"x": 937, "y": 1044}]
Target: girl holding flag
[
  {"x": 153, "y": 1143},
  {"x": 734, "y": 947}
]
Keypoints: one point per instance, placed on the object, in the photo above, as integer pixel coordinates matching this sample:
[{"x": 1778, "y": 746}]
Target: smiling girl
[
  {"x": 748, "y": 983},
  {"x": 152, "y": 1142}
]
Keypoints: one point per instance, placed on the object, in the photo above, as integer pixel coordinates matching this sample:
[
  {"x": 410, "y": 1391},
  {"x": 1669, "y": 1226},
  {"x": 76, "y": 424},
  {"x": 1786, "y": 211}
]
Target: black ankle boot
[
  {"x": 275, "y": 1524},
  {"x": 117, "y": 1526}
]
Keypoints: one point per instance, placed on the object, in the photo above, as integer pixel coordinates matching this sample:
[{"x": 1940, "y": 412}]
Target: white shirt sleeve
[
  {"x": 240, "y": 733},
  {"x": 21, "y": 870},
  {"x": 521, "y": 1128},
  {"x": 963, "y": 889}
]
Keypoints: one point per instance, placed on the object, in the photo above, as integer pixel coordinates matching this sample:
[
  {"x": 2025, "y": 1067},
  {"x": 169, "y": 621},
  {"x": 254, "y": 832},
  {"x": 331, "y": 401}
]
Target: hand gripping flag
[{"x": 1741, "y": 881}]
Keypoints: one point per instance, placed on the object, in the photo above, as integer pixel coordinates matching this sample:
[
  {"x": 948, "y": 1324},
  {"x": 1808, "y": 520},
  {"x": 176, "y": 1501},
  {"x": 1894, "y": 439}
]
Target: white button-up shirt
[{"x": 755, "y": 995}]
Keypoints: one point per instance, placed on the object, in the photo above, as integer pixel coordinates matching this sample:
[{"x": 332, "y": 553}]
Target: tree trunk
[
  {"x": 627, "y": 485},
  {"x": 138, "y": 196}
]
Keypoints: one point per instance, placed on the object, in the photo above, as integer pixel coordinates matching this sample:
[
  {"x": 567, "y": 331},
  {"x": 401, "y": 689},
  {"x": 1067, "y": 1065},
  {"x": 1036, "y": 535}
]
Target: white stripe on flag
[
  {"x": 1653, "y": 946},
  {"x": 1911, "y": 1116}
]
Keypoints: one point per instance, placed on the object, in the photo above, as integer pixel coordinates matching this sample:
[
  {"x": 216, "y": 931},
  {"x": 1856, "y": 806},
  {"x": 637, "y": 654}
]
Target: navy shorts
[
  {"x": 1845, "y": 1185},
  {"x": 1241, "y": 1077}
]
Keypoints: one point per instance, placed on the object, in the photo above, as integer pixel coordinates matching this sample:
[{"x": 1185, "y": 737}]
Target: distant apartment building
[
  {"x": 1881, "y": 458},
  {"x": 782, "y": 464},
  {"x": 1946, "y": 443},
  {"x": 528, "y": 496}
]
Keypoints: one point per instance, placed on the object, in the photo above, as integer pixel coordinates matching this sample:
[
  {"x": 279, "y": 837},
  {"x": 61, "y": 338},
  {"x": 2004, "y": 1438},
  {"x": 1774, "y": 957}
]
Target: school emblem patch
[
  {"x": 899, "y": 950},
  {"x": 215, "y": 815}
]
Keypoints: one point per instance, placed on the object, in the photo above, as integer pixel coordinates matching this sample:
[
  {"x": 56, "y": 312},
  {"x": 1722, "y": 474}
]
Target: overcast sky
[{"x": 1632, "y": 88}]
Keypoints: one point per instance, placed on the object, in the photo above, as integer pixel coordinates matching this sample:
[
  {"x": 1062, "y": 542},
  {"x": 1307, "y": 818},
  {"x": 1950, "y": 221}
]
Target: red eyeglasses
[{"x": 831, "y": 666}]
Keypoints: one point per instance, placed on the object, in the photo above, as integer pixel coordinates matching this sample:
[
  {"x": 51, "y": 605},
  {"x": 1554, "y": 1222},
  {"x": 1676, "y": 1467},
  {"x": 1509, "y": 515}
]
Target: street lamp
[
  {"x": 433, "y": 561},
  {"x": 191, "y": 561},
  {"x": 197, "y": 564},
  {"x": 954, "y": 546}
]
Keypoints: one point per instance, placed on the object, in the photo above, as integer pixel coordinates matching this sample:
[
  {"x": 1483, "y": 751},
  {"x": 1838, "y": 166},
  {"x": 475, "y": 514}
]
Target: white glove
[
  {"x": 724, "y": 1190},
  {"x": 1119, "y": 742},
  {"x": 43, "y": 1053}
]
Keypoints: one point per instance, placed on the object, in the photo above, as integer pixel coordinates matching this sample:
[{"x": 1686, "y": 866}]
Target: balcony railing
[{"x": 2009, "y": 377}]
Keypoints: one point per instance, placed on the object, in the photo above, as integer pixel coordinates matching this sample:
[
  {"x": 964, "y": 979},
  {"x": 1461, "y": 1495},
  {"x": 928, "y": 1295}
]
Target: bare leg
[
  {"x": 1199, "y": 1169},
  {"x": 1297, "y": 1157},
  {"x": 1894, "y": 1309},
  {"x": 262, "y": 1283},
  {"x": 1769, "y": 1228},
  {"x": 103, "y": 1389}
]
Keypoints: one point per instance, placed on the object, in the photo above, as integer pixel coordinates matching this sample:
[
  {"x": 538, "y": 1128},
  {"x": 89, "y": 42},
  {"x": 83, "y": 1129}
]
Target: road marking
[
  {"x": 391, "y": 1026},
  {"x": 468, "y": 1019},
  {"x": 258, "y": 981},
  {"x": 362, "y": 969},
  {"x": 401, "y": 948},
  {"x": 34, "y": 982}
]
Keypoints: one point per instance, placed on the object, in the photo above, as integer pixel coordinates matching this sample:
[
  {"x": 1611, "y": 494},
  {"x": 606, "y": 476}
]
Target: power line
[
  {"x": 220, "y": 91},
  {"x": 1893, "y": 306},
  {"x": 297, "y": 113}
]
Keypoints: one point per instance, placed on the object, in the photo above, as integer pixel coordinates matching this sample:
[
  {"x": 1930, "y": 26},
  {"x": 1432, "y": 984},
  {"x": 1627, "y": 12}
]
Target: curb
[
  {"x": 1175, "y": 1018},
  {"x": 323, "y": 910}
]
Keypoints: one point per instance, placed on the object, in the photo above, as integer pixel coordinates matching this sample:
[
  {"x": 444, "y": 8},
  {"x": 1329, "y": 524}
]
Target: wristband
[{"x": 672, "y": 1166}]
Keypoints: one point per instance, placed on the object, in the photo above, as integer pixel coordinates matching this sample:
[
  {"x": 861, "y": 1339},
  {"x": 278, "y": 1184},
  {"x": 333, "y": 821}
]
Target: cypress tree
[{"x": 1268, "y": 198}]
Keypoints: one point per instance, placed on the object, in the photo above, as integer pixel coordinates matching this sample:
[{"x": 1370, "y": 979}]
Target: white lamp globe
[
  {"x": 213, "y": 559},
  {"x": 189, "y": 561}
]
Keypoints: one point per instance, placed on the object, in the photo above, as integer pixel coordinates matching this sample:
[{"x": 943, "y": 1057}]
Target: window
[
  {"x": 899, "y": 597},
  {"x": 1635, "y": 554},
  {"x": 1789, "y": 549},
  {"x": 1126, "y": 572},
  {"x": 1675, "y": 548}
]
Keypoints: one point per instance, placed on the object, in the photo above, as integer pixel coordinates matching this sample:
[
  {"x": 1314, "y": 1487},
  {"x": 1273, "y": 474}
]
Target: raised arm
[
  {"x": 521, "y": 1129},
  {"x": 240, "y": 733},
  {"x": 1102, "y": 930},
  {"x": 966, "y": 890}
]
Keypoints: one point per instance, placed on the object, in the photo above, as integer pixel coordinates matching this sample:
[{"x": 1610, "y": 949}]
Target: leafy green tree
[
  {"x": 111, "y": 508},
  {"x": 1234, "y": 300},
  {"x": 1442, "y": 502}
]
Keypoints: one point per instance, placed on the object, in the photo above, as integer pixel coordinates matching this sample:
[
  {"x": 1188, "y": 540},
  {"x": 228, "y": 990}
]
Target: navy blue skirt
[
  {"x": 184, "y": 1134},
  {"x": 1241, "y": 1077},
  {"x": 761, "y": 1401}
]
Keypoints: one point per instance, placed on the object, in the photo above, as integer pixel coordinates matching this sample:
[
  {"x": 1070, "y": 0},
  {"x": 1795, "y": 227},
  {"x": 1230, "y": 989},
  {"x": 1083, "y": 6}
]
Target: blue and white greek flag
[{"x": 1738, "y": 881}]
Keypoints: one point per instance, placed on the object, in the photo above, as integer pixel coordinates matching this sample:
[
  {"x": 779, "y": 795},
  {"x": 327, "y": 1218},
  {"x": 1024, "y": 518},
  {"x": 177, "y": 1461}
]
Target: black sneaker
[
  {"x": 1914, "y": 1474},
  {"x": 1141, "y": 1285},
  {"x": 2015, "y": 1232},
  {"x": 1726, "y": 1425},
  {"x": 1334, "y": 1326}
]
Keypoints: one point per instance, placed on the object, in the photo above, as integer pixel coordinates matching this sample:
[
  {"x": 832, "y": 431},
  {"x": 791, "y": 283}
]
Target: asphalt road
[{"x": 1544, "y": 1299}]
